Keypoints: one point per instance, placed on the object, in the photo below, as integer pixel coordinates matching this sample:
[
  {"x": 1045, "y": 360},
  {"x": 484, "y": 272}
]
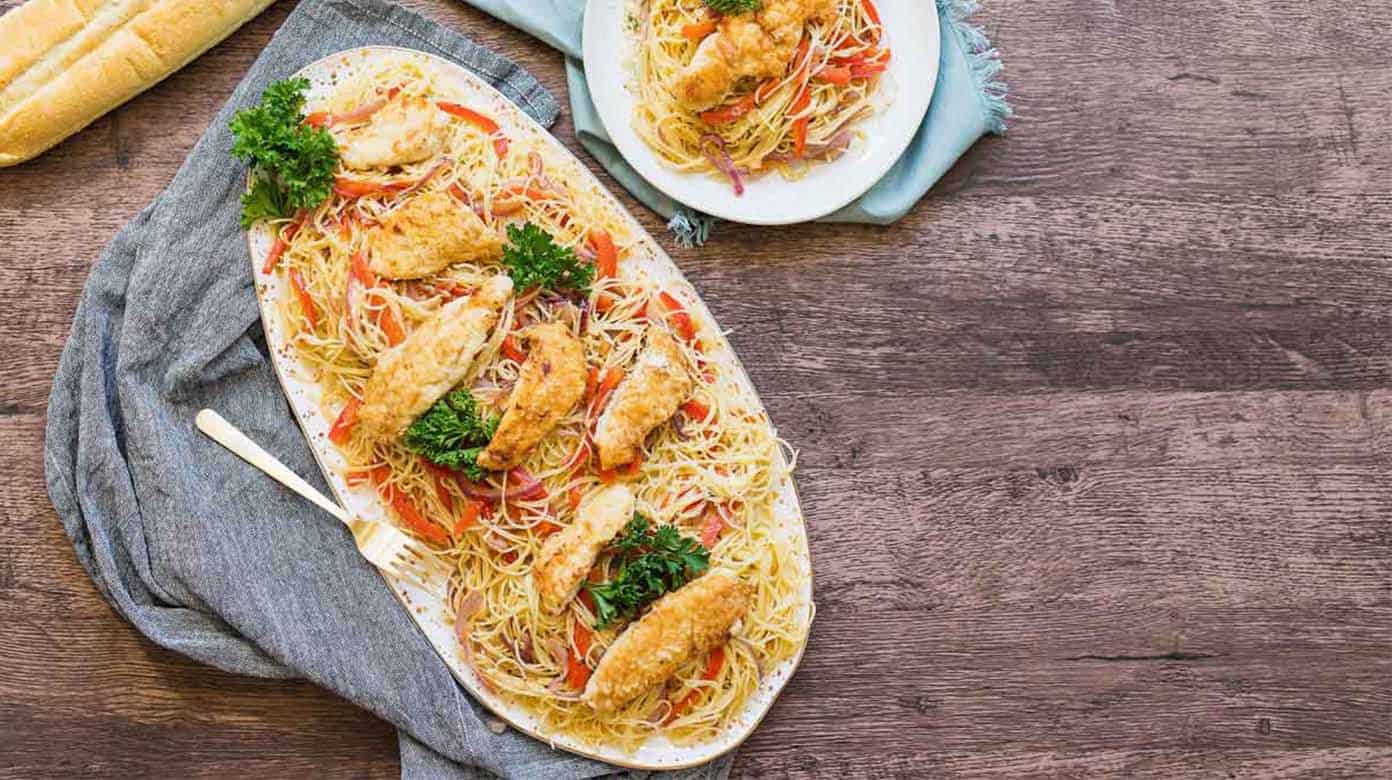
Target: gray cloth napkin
[{"x": 201, "y": 553}]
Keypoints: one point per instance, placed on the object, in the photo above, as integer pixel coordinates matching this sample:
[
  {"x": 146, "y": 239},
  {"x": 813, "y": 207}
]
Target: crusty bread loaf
[{"x": 63, "y": 63}]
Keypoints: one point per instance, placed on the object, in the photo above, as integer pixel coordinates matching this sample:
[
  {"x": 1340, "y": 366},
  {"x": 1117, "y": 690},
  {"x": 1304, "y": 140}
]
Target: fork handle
[{"x": 226, "y": 434}]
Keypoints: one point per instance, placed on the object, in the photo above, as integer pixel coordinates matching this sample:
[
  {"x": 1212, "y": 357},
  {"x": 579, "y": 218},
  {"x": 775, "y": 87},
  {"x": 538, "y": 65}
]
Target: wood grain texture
[{"x": 1096, "y": 445}]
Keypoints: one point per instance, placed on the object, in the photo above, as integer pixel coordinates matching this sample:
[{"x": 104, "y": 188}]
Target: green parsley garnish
[
  {"x": 452, "y": 433},
  {"x": 652, "y": 562},
  {"x": 731, "y": 7},
  {"x": 534, "y": 259},
  {"x": 291, "y": 163}
]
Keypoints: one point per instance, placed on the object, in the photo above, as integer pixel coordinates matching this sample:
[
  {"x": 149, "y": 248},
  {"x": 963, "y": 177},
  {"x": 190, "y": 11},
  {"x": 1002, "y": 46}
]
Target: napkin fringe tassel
[
  {"x": 689, "y": 227},
  {"x": 983, "y": 59}
]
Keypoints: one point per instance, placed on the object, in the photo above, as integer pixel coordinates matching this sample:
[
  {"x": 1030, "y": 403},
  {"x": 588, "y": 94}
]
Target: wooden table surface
[{"x": 1094, "y": 444}]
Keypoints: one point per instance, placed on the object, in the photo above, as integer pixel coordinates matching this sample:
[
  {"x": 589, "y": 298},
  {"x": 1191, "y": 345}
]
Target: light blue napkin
[{"x": 969, "y": 102}]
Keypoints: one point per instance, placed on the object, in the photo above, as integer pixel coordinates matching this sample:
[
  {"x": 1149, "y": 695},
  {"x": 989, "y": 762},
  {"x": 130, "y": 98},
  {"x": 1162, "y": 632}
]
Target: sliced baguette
[{"x": 64, "y": 63}]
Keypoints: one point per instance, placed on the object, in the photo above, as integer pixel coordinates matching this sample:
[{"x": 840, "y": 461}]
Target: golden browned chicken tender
[
  {"x": 755, "y": 45},
  {"x": 680, "y": 626},
  {"x": 567, "y": 556},
  {"x": 405, "y": 130},
  {"x": 551, "y": 383},
  {"x": 420, "y": 370},
  {"x": 428, "y": 234},
  {"x": 657, "y": 384}
]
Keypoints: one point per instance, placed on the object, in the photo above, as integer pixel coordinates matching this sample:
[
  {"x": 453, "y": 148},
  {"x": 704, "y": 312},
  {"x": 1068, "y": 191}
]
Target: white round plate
[
  {"x": 911, "y": 30},
  {"x": 428, "y": 608}
]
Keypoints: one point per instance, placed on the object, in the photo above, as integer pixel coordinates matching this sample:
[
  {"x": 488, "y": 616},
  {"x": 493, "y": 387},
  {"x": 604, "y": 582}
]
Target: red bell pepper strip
[
  {"x": 804, "y": 99},
  {"x": 311, "y": 312},
  {"x": 591, "y": 382},
  {"x": 467, "y": 518},
  {"x": 871, "y": 12},
  {"x": 714, "y": 664},
  {"x": 764, "y": 90},
  {"x": 606, "y": 254},
  {"x": 343, "y": 426},
  {"x": 357, "y": 266},
  {"x": 800, "y": 137},
  {"x": 353, "y": 188},
  {"x": 282, "y": 241},
  {"x": 583, "y": 638},
  {"x": 833, "y": 74},
  {"x": 406, "y": 509},
  {"x": 577, "y": 673},
  {"x": 868, "y": 70},
  {"x": 713, "y": 528},
  {"x": 695, "y": 410},
  {"x": 698, "y": 30},
  {"x": 727, "y": 114},
  {"x": 386, "y": 320},
  {"x": 487, "y": 125},
  {"x": 676, "y": 316},
  {"x": 611, "y": 380},
  {"x": 588, "y": 600},
  {"x": 512, "y": 351}
]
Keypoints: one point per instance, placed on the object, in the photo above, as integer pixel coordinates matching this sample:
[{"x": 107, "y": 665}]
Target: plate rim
[
  {"x": 616, "y": 757},
  {"x": 640, "y": 157}
]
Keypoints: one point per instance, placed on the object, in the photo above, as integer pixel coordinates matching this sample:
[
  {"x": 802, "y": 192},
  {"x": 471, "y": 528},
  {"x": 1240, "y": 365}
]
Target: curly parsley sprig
[
  {"x": 652, "y": 562},
  {"x": 534, "y": 259},
  {"x": 452, "y": 433},
  {"x": 291, "y": 163}
]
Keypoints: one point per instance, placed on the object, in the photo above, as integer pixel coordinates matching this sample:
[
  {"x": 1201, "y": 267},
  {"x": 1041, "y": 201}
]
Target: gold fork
[{"x": 383, "y": 545}]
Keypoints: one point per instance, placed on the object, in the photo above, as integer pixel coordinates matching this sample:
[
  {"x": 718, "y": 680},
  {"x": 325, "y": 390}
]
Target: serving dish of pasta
[
  {"x": 762, "y": 111},
  {"x": 485, "y": 349}
]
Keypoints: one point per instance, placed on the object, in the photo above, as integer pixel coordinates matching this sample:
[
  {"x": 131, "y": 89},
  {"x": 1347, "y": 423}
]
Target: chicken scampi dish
[
  {"x": 738, "y": 88},
  {"x": 509, "y": 371}
]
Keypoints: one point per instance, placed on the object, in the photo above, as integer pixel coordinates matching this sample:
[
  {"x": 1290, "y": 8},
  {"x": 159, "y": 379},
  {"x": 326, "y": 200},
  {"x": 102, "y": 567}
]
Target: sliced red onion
[
  {"x": 560, "y": 689},
  {"x": 497, "y": 542},
  {"x": 556, "y": 648},
  {"x": 659, "y": 713},
  {"x": 525, "y": 298},
  {"x": 360, "y": 113},
  {"x": 478, "y": 492},
  {"x": 470, "y": 602},
  {"x": 534, "y": 163},
  {"x": 528, "y": 487},
  {"x": 713, "y": 147},
  {"x": 523, "y": 649},
  {"x": 679, "y": 426},
  {"x": 835, "y": 144},
  {"x": 444, "y": 162},
  {"x": 584, "y": 323}
]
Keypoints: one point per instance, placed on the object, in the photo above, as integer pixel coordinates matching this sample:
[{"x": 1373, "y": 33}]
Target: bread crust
[{"x": 68, "y": 62}]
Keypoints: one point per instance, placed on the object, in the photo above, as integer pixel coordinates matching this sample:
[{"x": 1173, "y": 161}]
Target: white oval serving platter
[
  {"x": 911, "y": 30},
  {"x": 429, "y": 609}
]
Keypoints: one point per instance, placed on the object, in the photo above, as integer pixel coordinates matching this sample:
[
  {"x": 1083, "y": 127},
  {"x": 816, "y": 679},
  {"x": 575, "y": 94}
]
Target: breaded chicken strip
[
  {"x": 567, "y": 556},
  {"x": 428, "y": 234},
  {"x": 420, "y": 370},
  {"x": 658, "y": 383},
  {"x": 551, "y": 383},
  {"x": 405, "y": 130},
  {"x": 680, "y": 626},
  {"x": 758, "y": 46}
]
